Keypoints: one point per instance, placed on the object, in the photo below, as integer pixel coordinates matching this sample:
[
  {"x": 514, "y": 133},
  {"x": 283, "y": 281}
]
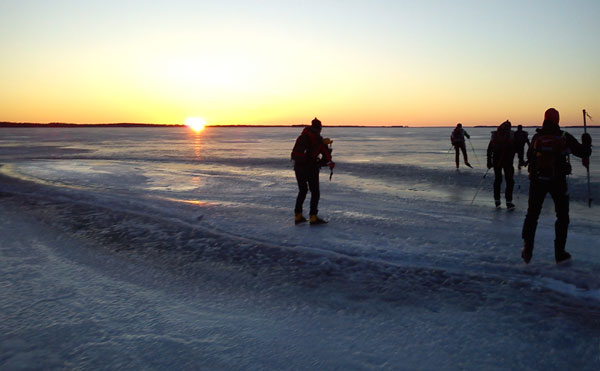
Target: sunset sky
[{"x": 420, "y": 62}]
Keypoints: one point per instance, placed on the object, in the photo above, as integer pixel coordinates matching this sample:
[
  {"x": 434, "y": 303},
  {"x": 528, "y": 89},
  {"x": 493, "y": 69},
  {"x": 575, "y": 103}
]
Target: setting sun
[{"x": 195, "y": 123}]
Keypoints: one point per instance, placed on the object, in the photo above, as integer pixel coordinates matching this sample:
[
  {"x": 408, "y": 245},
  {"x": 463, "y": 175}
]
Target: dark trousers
[
  {"x": 509, "y": 173},
  {"x": 463, "y": 148},
  {"x": 520, "y": 153},
  {"x": 560, "y": 195},
  {"x": 308, "y": 178}
]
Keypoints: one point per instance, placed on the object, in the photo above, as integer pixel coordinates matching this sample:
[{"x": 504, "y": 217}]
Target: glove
[
  {"x": 586, "y": 139},
  {"x": 489, "y": 164},
  {"x": 331, "y": 164},
  {"x": 586, "y": 162}
]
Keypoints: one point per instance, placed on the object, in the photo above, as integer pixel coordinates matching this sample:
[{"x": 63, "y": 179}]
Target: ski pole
[
  {"x": 475, "y": 153},
  {"x": 588, "y": 165},
  {"x": 479, "y": 186}
]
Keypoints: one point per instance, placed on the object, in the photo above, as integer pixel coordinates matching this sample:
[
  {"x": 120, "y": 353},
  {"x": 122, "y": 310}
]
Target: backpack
[
  {"x": 501, "y": 147},
  {"x": 502, "y": 139},
  {"x": 551, "y": 157},
  {"x": 457, "y": 136}
]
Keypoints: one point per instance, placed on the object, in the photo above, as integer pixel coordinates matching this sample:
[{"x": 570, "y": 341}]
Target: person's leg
[
  {"x": 302, "y": 179},
  {"x": 315, "y": 193},
  {"x": 463, "y": 149},
  {"x": 520, "y": 150},
  {"x": 560, "y": 196},
  {"x": 537, "y": 193},
  {"x": 509, "y": 175},
  {"x": 497, "y": 183},
  {"x": 456, "y": 154}
]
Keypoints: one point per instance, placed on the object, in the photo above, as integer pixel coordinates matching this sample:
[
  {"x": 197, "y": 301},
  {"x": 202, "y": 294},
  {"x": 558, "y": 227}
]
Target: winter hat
[
  {"x": 552, "y": 115},
  {"x": 504, "y": 126},
  {"x": 316, "y": 123}
]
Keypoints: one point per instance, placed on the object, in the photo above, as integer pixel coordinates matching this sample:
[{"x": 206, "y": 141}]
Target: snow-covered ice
[{"x": 155, "y": 248}]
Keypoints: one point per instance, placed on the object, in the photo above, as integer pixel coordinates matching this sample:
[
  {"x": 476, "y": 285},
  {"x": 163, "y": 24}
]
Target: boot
[
  {"x": 510, "y": 205},
  {"x": 314, "y": 219},
  {"x": 560, "y": 254},
  {"x": 299, "y": 218},
  {"x": 527, "y": 253},
  {"x": 562, "y": 257},
  {"x": 468, "y": 164},
  {"x": 497, "y": 203}
]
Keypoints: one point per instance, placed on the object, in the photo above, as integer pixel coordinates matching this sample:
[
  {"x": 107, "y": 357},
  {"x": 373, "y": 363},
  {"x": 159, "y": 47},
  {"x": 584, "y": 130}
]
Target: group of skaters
[{"x": 547, "y": 162}]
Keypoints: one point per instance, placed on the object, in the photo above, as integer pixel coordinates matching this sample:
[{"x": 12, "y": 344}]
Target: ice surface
[{"x": 155, "y": 248}]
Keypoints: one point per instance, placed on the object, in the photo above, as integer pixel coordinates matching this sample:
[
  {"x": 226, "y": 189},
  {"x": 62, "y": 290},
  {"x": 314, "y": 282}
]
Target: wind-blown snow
[{"x": 156, "y": 248}]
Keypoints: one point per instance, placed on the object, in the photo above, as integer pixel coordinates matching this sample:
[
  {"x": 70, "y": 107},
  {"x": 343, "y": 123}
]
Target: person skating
[
  {"x": 310, "y": 153},
  {"x": 548, "y": 157},
  {"x": 500, "y": 156},
  {"x": 521, "y": 138},
  {"x": 457, "y": 138}
]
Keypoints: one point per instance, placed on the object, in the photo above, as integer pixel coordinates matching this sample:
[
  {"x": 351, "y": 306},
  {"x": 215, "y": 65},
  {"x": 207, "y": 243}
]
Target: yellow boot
[
  {"x": 299, "y": 218},
  {"x": 314, "y": 219}
]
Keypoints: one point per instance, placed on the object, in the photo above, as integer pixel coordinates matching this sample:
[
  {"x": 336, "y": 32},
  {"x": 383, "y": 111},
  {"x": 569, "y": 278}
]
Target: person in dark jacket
[
  {"x": 548, "y": 169},
  {"x": 500, "y": 156},
  {"x": 310, "y": 153},
  {"x": 457, "y": 138},
  {"x": 521, "y": 138}
]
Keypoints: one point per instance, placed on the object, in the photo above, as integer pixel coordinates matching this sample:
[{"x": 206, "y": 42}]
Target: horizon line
[{"x": 9, "y": 124}]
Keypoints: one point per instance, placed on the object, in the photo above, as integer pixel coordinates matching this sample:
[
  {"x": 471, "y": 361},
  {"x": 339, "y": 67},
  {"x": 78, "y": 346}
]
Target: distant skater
[
  {"x": 500, "y": 156},
  {"x": 549, "y": 165},
  {"x": 310, "y": 153},
  {"x": 457, "y": 138},
  {"x": 521, "y": 138}
]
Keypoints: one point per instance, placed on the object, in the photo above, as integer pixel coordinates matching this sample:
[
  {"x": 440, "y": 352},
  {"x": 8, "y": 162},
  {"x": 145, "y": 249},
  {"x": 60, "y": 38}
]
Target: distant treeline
[{"x": 67, "y": 125}]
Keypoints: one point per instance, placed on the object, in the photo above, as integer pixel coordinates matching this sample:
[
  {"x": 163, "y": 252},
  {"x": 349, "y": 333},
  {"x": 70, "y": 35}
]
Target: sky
[{"x": 245, "y": 62}]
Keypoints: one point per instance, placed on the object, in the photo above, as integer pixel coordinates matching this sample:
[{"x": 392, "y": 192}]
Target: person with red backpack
[
  {"x": 500, "y": 156},
  {"x": 548, "y": 157},
  {"x": 457, "y": 138},
  {"x": 310, "y": 153}
]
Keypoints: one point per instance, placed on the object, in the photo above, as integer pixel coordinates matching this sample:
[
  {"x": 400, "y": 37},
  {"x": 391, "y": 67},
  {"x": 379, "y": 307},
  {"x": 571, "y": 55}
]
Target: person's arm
[
  {"x": 584, "y": 149},
  {"x": 466, "y": 134}
]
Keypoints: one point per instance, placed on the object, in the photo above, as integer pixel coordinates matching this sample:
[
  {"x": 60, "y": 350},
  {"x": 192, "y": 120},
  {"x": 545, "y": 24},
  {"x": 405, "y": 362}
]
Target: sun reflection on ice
[
  {"x": 197, "y": 146},
  {"x": 197, "y": 125}
]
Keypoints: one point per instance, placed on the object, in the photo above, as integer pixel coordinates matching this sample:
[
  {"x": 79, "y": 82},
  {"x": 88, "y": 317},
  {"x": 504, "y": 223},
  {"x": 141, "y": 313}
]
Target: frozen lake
[{"x": 148, "y": 248}]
